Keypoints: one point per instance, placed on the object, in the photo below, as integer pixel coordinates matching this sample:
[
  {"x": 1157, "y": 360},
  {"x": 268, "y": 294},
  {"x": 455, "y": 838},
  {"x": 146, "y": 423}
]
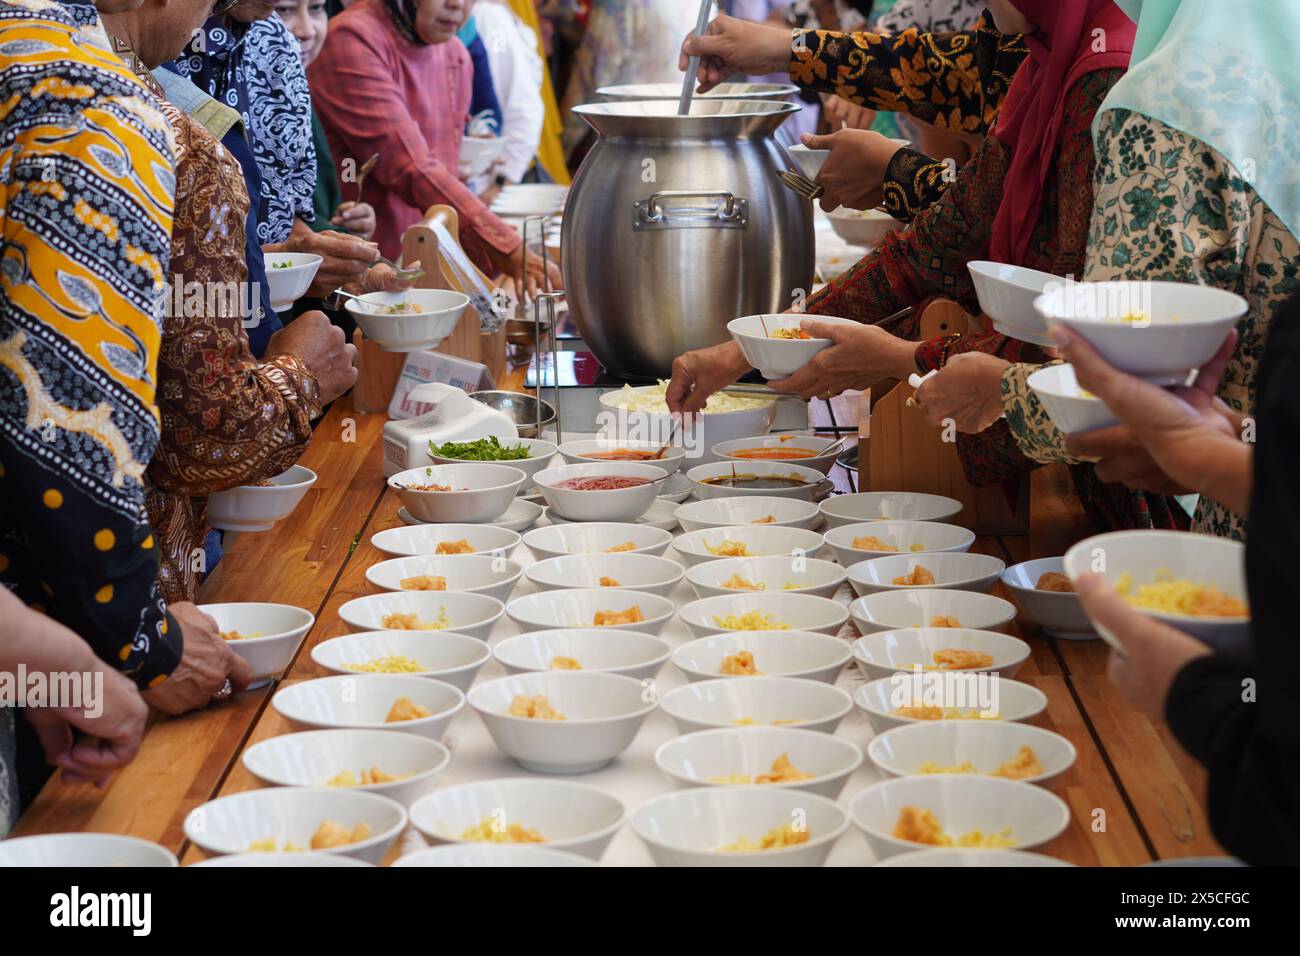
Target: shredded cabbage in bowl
[{"x": 650, "y": 398}]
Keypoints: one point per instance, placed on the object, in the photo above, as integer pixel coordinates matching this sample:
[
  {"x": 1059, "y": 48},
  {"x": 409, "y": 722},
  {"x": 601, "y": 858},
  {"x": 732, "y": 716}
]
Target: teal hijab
[{"x": 1227, "y": 73}]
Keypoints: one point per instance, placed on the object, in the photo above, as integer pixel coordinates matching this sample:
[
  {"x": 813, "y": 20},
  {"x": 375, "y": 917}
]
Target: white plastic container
[{"x": 455, "y": 417}]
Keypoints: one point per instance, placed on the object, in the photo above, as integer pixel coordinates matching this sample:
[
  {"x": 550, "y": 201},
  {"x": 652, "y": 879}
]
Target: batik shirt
[{"x": 86, "y": 163}]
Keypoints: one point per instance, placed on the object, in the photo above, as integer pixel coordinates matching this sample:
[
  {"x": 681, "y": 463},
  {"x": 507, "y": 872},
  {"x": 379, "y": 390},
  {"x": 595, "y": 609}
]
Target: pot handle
[{"x": 729, "y": 213}]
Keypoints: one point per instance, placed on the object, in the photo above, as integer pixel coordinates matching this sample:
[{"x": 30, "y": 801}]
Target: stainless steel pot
[
  {"x": 673, "y": 91},
  {"x": 675, "y": 225}
]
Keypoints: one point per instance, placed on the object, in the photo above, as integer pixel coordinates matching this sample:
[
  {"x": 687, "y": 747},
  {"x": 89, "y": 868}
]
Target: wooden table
[{"x": 1134, "y": 794}]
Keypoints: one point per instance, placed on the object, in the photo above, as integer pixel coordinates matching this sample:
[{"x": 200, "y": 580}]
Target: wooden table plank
[{"x": 183, "y": 760}]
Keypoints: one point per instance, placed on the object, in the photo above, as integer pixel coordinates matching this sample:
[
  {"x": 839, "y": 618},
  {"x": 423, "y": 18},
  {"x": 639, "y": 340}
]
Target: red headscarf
[{"x": 1060, "y": 51}]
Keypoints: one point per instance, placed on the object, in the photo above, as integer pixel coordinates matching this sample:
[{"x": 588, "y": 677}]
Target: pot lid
[
  {"x": 673, "y": 91},
  {"x": 708, "y": 119}
]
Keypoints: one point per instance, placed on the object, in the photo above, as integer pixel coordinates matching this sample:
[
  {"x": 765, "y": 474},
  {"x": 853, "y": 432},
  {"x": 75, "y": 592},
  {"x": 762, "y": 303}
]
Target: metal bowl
[{"x": 521, "y": 408}]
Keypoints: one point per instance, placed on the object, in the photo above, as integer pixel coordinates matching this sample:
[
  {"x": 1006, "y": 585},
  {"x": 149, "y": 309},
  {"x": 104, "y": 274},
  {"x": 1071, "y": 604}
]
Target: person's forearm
[
  {"x": 1226, "y": 474},
  {"x": 39, "y": 643}
]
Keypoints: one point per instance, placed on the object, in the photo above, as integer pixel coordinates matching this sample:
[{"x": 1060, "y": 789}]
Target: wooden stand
[
  {"x": 379, "y": 370},
  {"x": 907, "y": 453}
]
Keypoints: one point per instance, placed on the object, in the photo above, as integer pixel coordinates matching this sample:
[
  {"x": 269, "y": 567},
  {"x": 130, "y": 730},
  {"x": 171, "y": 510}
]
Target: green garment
[{"x": 328, "y": 193}]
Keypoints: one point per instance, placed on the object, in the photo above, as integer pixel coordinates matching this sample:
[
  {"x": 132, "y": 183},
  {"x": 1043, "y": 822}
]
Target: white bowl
[
  {"x": 1007, "y": 293},
  {"x": 841, "y": 510},
  {"x": 813, "y": 482},
  {"x": 83, "y": 850},
  {"x": 946, "y": 857},
  {"x": 803, "y": 654},
  {"x": 1009, "y": 700},
  {"x": 988, "y": 744},
  {"x": 487, "y": 574},
  {"x": 799, "y": 612},
  {"x": 577, "y": 607},
  {"x": 610, "y": 650},
  {"x": 632, "y": 571},
  {"x": 491, "y": 854},
  {"x": 616, "y": 504},
  {"x": 280, "y": 628},
  {"x": 761, "y": 541},
  {"x": 478, "y": 153},
  {"x": 313, "y": 758},
  {"x": 287, "y": 860},
  {"x": 908, "y": 537},
  {"x": 1059, "y": 613},
  {"x": 809, "y": 161},
  {"x": 883, "y": 653},
  {"x": 596, "y": 539},
  {"x": 479, "y": 492},
  {"x": 917, "y": 608},
  {"x": 569, "y": 816},
  {"x": 710, "y": 757},
  {"x": 697, "y": 434},
  {"x": 789, "y": 575},
  {"x": 602, "y": 711},
  {"x": 737, "y": 510},
  {"x": 956, "y": 570},
  {"x": 1181, "y": 329},
  {"x": 230, "y": 824},
  {"x": 288, "y": 276},
  {"x": 779, "y": 358},
  {"x": 757, "y": 702},
  {"x": 259, "y": 507},
  {"x": 960, "y": 803},
  {"x": 1200, "y": 558},
  {"x": 440, "y": 311},
  {"x": 362, "y": 701},
  {"x": 864, "y": 227},
  {"x": 447, "y": 656},
  {"x": 823, "y": 462},
  {"x": 540, "y": 453},
  {"x": 690, "y": 827},
  {"x": 580, "y": 452},
  {"x": 420, "y": 539},
  {"x": 466, "y": 612},
  {"x": 1070, "y": 408}
]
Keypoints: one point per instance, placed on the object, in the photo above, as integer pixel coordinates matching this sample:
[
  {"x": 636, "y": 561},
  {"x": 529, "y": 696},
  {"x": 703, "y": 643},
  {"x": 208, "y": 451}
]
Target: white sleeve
[{"x": 517, "y": 75}]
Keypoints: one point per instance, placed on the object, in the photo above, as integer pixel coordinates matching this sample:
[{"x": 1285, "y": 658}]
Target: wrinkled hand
[
  {"x": 356, "y": 217},
  {"x": 840, "y": 113},
  {"x": 344, "y": 258},
  {"x": 699, "y": 374},
  {"x": 1153, "y": 652},
  {"x": 967, "y": 390},
  {"x": 1170, "y": 437},
  {"x": 206, "y": 663},
  {"x": 855, "y": 170},
  {"x": 732, "y": 46},
  {"x": 111, "y": 740},
  {"x": 535, "y": 274},
  {"x": 323, "y": 348},
  {"x": 860, "y": 357},
  {"x": 382, "y": 277}
]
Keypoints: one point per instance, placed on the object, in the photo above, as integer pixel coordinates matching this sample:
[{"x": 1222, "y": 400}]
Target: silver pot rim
[
  {"x": 707, "y": 118},
  {"x": 672, "y": 91}
]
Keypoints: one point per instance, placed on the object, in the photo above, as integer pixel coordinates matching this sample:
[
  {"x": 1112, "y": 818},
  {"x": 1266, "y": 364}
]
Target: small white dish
[
  {"x": 614, "y": 504},
  {"x": 764, "y": 510},
  {"x": 630, "y": 571},
  {"x": 275, "y": 860},
  {"x": 291, "y": 815},
  {"x": 786, "y": 574},
  {"x": 783, "y": 611},
  {"x": 676, "y": 489},
  {"x": 756, "y": 702},
  {"x": 520, "y": 516},
  {"x": 956, "y": 570},
  {"x": 583, "y": 452},
  {"x": 803, "y": 654},
  {"x": 709, "y": 758},
  {"x": 424, "y": 539},
  {"x": 475, "y": 492},
  {"x": 279, "y": 629},
  {"x": 808, "y": 484},
  {"x": 491, "y": 854},
  {"x": 314, "y": 758},
  {"x": 862, "y": 227},
  {"x": 661, "y": 514},
  {"x": 821, "y": 460},
  {"x": 919, "y": 608},
  {"x": 987, "y": 744},
  {"x": 363, "y": 702},
  {"x": 1059, "y": 613},
  {"x": 841, "y": 510},
  {"x": 967, "y": 696},
  {"x": 1006, "y": 295},
  {"x": 463, "y": 611},
  {"x": 288, "y": 277},
  {"x": 596, "y": 538},
  {"x": 578, "y": 607},
  {"x": 776, "y": 357},
  {"x": 487, "y": 574},
  {"x": 83, "y": 850},
  {"x": 902, "y": 651},
  {"x": 809, "y": 161},
  {"x": 948, "y": 857},
  {"x": 602, "y": 714},
  {"x": 445, "y": 655},
  {"x": 612, "y": 651},
  {"x": 1070, "y": 408},
  {"x": 259, "y": 507},
  {"x": 438, "y": 313},
  {"x": 904, "y": 537},
  {"x": 756, "y": 541},
  {"x": 568, "y": 816}
]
